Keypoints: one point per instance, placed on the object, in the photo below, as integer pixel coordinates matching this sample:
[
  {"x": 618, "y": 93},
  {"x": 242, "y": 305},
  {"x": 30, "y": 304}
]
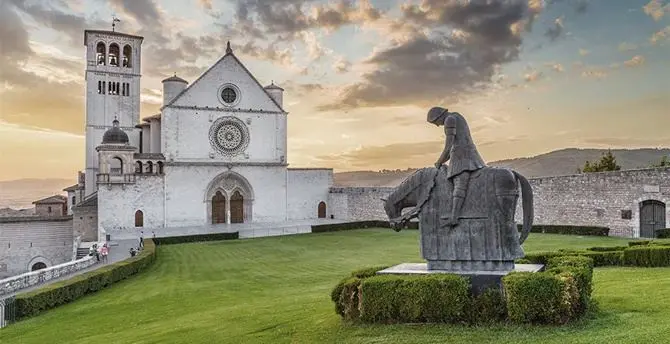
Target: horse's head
[{"x": 414, "y": 189}]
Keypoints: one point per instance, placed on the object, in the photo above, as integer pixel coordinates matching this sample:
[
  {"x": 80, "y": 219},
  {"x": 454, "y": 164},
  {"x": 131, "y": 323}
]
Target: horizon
[{"x": 531, "y": 77}]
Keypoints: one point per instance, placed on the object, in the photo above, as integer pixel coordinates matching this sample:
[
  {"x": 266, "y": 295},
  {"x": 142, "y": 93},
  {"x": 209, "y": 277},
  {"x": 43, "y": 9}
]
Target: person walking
[
  {"x": 141, "y": 238},
  {"x": 104, "y": 251}
]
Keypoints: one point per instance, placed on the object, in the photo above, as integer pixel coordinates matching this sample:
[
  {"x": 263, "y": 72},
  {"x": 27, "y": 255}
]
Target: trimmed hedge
[
  {"x": 642, "y": 253},
  {"x": 663, "y": 233},
  {"x": 648, "y": 256},
  {"x": 556, "y": 296},
  {"x": 196, "y": 238},
  {"x": 334, "y": 227},
  {"x": 56, "y": 294},
  {"x": 568, "y": 229}
]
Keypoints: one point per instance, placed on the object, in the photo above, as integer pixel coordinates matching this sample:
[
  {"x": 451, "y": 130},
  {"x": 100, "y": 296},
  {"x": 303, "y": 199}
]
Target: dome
[
  {"x": 175, "y": 78},
  {"x": 115, "y": 135}
]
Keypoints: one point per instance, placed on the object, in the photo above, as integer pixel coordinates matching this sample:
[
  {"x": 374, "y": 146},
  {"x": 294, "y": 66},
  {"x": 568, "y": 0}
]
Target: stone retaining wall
[
  {"x": 595, "y": 199},
  {"x": 16, "y": 283}
]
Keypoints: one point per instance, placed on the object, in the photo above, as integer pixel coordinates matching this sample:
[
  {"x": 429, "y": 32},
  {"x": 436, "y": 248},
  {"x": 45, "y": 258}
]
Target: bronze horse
[{"x": 486, "y": 237}]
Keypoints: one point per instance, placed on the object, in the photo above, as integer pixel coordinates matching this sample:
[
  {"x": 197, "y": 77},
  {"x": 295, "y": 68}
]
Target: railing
[
  {"x": 7, "y": 311},
  {"x": 19, "y": 282},
  {"x": 106, "y": 178}
]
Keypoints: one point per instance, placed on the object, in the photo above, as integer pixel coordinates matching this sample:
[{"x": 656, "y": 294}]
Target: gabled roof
[
  {"x": 156, "y": 116},
  {"x": 55, "y": 199},
  {"x": 229, "y": 52},
  {"x": 72, "y": 188}
]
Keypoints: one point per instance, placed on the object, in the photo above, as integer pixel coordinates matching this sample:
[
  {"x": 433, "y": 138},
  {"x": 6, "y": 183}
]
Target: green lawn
[{"x": 276, "y": 290}]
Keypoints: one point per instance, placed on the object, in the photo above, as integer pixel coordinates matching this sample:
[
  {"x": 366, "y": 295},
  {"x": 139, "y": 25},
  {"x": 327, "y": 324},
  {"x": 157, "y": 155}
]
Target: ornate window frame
[
  {"x": 214, "y": 136},
  {"x": 238, "y": 94}
]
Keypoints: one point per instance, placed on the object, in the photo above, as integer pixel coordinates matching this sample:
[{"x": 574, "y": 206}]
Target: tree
[
  {"x": 665, "y": 162},
  {"x": 607, "y": 163}
]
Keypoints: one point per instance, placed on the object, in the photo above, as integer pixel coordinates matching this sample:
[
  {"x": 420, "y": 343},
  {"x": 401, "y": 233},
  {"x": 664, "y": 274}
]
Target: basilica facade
[{"x": 216, "y": 152}]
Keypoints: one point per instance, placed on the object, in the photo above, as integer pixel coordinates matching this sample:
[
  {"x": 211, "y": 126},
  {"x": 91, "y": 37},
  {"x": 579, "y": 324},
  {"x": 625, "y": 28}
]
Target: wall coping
[
  {"x": 16, "y": 283},
  {"x": 12, "y": 219},
  {"x": 607, "y": 173},
  {"x": 309, "y": 169}
]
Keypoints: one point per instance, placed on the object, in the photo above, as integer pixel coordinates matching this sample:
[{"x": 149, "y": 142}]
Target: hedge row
[
  {"x": 556, "y": 296},
  {"x": 643, "y": 253},
  {"x": 334, "y": 227},
  {"x": 663, "y": 233},
  {"x": 567, "y": 229},
  {"x": 196, "y": 238},
  {"x": 56, "y": 294}
]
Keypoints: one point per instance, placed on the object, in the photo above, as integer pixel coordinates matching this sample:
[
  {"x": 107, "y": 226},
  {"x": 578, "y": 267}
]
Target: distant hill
[
  {"x": 21, "y": 193},
  {"x": 556, "y": 163}
]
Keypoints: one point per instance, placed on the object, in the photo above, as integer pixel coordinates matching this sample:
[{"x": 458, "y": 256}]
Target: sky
[{"x": 359, "y": 76}]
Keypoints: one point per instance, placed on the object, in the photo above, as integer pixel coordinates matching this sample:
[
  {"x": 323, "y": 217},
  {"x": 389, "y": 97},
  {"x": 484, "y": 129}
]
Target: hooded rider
[{"x": 462, "y": 154}]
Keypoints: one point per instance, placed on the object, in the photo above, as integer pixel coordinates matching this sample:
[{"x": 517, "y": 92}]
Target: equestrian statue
[{"x": 465, "y": 209}]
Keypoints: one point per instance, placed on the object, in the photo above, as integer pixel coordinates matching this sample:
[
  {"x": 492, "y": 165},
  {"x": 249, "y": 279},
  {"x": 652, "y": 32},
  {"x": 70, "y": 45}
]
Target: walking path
[{"x": 118, "y": 252}]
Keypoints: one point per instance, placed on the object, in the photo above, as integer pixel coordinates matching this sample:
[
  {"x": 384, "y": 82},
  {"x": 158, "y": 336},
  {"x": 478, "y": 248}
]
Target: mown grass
[{"x": 276, "y": 290}]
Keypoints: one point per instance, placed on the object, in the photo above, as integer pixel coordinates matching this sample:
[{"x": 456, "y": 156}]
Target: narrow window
[
  {"x": 104, "y": 87},
  {"x": 99, "y": 87},
  {"x": 139, "y": 219},
  {"x": 49, "y": 209},
  {"x": 74, "y": 200},
  {"x": 117, "y": 88},
  {"x": 123, "y": 89},
  {"x": 160, "y": 167},
  {"x": 110, "y": 88},
  {"x": 150, "y": 167}
]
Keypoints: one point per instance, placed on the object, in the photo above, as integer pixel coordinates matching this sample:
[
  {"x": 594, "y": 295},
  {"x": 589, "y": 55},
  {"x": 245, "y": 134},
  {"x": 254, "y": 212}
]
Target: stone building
[
  {"x": 216, "y": 153},
  {"x": 51, "y": 206}
]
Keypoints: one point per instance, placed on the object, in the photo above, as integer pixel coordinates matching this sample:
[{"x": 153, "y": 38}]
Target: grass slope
[{"x": 276, "y": 290}]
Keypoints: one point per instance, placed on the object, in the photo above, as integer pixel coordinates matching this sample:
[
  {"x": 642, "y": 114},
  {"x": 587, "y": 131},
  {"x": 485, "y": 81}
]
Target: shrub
[
  {"x": 412, "y": 299},
  {"x": 649, "y": 256},
  {"x": 607, "y": 248},
  {"x": 487, "y": 308},
  {"x": 568, "y": 229},
  {"x": 196, "y": 238},
  {"x": 538, "y": 297},
  {"x": 58, "y": 293},
  {"x": 368, "y": 272},
  {"x": 581, "y": 269},
  {"x": 663, "y": 233},
  {"x": 638, "y": 243},
  {"x": 542, "y": 257},
  {"x": 606, "y": 258}
]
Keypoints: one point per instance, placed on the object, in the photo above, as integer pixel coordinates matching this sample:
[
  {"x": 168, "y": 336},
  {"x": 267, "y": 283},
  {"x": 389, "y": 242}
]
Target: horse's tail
[{"x": 527, "y": 206}]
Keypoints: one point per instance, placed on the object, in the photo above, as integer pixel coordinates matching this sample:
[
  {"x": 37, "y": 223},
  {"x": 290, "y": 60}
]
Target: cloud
[
  {"x": 660, "y": 35},
  {"x": 556, "y": 30},
  {"x": 656, "y": 9},
  {"x": 635, "y": 61},
  {"x": 341, "y": 65},
  {"x": 386, "y": 156},
  {"x": 532, "y": 75},
  {"x": 625, "y": 46},
  {"x": 594, "y": 73},
  {"x": 431, "y": 68},
  {"x": 206, "y": 4},
  {"x": 557, "y": 67},
  {"x": 583, "y": 52}
]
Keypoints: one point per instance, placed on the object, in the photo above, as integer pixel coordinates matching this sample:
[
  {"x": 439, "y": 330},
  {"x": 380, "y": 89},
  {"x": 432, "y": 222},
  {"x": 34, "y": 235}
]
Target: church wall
[
  {"x": 362, "y": 203},
  {"x": 599, "y": 198},
  {"x": 117, "y": 205},
  {"x": 28, "y": 240},
  {"x": 185, "y": 133},
  {"x": 187, "y": 186},
  {"x": 306, "y": 188}
]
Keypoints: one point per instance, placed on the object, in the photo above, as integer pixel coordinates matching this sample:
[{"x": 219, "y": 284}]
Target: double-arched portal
[{"x": 229, "y": 199}]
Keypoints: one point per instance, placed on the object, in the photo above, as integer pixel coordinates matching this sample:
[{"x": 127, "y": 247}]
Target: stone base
[
  {"x": 480, "y": 280},
  {"x": 458, "y": 266}
]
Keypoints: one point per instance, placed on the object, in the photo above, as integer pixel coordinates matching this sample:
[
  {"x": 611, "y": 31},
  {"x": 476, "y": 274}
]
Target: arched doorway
[
  {"x": 236, "y": 207},
  {"x": 38, "y": 266},
  {"x": 652, "y": 218},
  {"x": 322, "y": 210},
  {"x": 219, "y": 208}
]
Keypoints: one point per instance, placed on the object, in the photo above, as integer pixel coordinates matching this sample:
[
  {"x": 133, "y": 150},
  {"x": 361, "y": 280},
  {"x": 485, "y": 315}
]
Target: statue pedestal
[{"x": 480, "y": 280}]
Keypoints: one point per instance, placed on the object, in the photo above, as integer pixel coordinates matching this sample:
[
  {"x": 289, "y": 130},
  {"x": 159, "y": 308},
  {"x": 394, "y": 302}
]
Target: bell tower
[{"x": 113, "y": 61}]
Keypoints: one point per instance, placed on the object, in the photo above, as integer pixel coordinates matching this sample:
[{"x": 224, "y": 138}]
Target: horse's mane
[{"x": 424, "y": 177}]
